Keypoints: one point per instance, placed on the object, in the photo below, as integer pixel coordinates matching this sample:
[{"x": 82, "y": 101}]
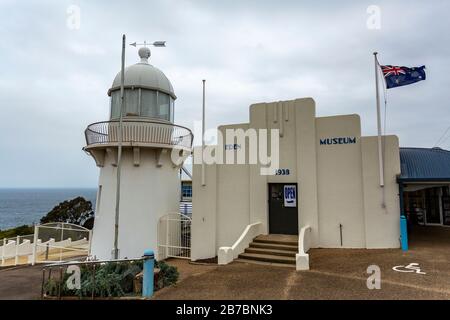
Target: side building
[{"x": 327, "y": 171}]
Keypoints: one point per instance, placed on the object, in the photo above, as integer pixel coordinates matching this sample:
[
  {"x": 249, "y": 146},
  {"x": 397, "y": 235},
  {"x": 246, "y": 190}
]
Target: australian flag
[{"x": 402, "y": 76}]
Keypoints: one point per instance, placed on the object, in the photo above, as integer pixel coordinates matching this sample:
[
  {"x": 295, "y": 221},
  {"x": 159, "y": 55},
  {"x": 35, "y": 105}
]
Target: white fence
[
  {"x": 186, "y": 208},
  {"x": 50, "y": 242},
  {"x": 174, "y": 236}
]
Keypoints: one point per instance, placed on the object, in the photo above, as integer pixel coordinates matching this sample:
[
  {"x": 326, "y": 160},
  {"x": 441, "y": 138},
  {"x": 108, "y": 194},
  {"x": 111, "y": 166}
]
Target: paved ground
[
  {"x": 19, "y": 283},
  {"x": 335, "y": 274}
]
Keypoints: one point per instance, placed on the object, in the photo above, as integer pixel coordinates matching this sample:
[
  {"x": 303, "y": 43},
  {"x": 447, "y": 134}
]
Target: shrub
[
  {"x": 168, "y": 275},
  {"x": 75, "y": 211},
  {"x": 111, "y": 280},
  {"x": 18, "y": 231}
]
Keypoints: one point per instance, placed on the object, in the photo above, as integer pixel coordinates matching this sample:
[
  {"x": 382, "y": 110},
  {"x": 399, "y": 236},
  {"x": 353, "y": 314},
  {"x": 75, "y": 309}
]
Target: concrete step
[
  {"x": 274, "y": 246},
  {"x": 267, "y": 258},
  {"x": 274, "y": 241},
  {"x": 282, "y": 265},
  {"x": 274, "y": 252}
]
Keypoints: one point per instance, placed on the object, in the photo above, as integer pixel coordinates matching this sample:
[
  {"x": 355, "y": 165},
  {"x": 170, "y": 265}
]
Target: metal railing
[
  {"x": 186, "y": 208},
  {"x": 174, "y": 236},
  {"x": 58, "y": 241},
  {"x": 50, "y": 242},
  {"x": 139, "y": 132},
  {"x": 56, "y": 274},
  {"x": 12, "y": 249}
]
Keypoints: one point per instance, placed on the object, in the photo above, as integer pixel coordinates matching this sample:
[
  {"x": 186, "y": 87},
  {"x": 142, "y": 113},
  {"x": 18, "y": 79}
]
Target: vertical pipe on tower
[
  {"x": 119, "y": 155},
  {"x": 203, "y": 136}
]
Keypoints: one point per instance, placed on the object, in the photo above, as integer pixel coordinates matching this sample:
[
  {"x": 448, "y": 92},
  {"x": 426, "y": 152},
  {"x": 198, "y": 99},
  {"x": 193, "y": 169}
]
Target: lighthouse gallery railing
[{"x": 139, "y": 132}]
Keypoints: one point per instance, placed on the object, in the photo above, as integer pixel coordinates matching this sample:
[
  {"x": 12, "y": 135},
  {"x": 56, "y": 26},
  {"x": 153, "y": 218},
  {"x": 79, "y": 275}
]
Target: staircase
[{"x": 275, "y": 249}]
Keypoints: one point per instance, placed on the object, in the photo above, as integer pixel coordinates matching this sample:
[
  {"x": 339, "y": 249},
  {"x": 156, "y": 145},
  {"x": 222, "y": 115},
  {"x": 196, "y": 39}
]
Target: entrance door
[{"x": 283, "y": 213}]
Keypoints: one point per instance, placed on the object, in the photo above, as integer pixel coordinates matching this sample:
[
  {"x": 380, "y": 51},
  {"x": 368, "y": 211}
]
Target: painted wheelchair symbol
[{"x": 412, "y": 267}]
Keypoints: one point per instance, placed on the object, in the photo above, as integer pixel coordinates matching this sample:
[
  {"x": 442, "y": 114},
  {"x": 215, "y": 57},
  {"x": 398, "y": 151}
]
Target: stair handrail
[
  {"x": 226, "y": 255},
  {"x": 302, "y": 257}
]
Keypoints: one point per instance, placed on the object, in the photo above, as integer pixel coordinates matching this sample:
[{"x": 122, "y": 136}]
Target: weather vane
[{"x": 145, "y": 44}]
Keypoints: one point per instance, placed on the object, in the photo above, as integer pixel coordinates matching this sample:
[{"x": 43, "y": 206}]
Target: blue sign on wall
[{"x": 290, "y": 195}]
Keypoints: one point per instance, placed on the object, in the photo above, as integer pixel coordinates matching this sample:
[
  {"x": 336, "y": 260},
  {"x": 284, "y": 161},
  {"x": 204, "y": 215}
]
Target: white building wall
[
  {"x": 336, "y": 183},
  {"x": 204, "y": 211},
  {"x": 340, "y": 189},
  {"x": 148, "y": 191},
  {"x": 306, "y": 149},
  {"x": 382, "y": 224},
  {"x": 258, "y": 192}
]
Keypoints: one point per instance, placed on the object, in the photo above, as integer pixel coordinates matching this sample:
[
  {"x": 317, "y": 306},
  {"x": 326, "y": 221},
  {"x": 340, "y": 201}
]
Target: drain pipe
[{"x": 340, "y": 232}]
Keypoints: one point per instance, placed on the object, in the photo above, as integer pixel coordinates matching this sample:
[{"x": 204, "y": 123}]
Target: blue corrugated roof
[{"x": 424, "y": 164}]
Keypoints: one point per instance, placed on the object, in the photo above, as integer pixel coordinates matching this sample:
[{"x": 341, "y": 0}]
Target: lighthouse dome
[
  {"x": 147, "y": 91},
  {"x": 144, "y": 75}
]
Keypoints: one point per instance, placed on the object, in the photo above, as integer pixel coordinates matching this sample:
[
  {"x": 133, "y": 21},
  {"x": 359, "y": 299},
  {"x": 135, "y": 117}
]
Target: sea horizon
[{"x": 27, "y": 205}]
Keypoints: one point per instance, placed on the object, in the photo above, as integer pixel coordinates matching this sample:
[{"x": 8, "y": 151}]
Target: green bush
[
  {"x": 111, "y": 280},
  {"x": 168, "y": 275},
  {"x": 18, "y": 231}
]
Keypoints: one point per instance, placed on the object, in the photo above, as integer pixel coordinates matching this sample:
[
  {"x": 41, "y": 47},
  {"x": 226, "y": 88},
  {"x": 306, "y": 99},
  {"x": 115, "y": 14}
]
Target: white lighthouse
[{"x": 150, "y": 162}]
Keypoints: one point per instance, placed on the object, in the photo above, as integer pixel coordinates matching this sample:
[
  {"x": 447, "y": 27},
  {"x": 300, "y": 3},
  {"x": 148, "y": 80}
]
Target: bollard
[
  {"x": 147, "y": 281},
  {"x": 403, "y": 233}
]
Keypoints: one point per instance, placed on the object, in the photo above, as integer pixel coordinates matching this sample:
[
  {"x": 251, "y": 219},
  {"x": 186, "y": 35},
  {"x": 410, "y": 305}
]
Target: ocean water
[{"x": 28, "y": 206}]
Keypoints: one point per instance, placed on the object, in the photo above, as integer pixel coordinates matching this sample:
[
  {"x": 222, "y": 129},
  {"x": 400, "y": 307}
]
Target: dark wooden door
[{"x": 282, "y": 219}]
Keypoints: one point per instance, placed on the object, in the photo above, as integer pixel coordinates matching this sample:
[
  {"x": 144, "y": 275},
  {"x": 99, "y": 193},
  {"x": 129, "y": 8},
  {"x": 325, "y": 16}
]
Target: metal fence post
[
  {"x": 16, "y": 258},
  {"x": 147, "y": 281},
  {"x": 90, "y": 243},
  {"x": 3, "y": 251},
  {"x": 35, "y": 239},
  {"x": 167, "y": 249},
  {"x": 47, "y": 249}
]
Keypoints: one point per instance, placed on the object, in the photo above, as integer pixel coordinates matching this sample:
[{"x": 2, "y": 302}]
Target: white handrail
[
  {"x": 302, "y": 257},
  {"x": 227, "y": 254}
]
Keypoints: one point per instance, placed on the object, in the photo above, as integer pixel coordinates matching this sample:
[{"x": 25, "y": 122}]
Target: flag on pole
[{"x": 401, "y": 76}]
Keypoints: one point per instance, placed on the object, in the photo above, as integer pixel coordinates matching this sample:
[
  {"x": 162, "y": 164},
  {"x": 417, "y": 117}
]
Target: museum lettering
[{"x": 346, "y": 140}]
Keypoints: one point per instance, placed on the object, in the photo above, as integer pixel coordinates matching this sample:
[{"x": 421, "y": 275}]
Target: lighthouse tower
[{"x": 153, "y": 149}]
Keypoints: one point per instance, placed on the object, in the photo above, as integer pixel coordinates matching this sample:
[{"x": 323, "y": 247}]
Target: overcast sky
[{"x": 54, "y": 77}]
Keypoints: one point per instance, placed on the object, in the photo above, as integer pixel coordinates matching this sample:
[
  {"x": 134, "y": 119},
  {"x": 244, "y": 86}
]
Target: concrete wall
[
  {"x": 382, "y": 225},
  {"x": 233, "y": 206},
  {"x": 340, "y": 185},
  {"x": 204, "y": 211}
]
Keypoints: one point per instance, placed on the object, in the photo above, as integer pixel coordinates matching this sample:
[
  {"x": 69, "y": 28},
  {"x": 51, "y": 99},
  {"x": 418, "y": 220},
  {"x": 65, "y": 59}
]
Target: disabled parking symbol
[{"x": 412, "y": 267}]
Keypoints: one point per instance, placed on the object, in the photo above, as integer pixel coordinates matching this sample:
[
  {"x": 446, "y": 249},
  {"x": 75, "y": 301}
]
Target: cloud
[{"x": 54, "y": 79}]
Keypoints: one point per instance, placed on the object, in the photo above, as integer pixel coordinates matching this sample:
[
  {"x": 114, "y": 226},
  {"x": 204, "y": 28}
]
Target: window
[
  {"x": 115, "y": 104},
  {"x": 163, "y": 103},
  {"x": 186, "y": 191},
  {"x": 131, "y": 102},
  {"x": 172, "y": 104},
  {"x": 148, "y": 101},
  {"x": 143, "y": 102}
]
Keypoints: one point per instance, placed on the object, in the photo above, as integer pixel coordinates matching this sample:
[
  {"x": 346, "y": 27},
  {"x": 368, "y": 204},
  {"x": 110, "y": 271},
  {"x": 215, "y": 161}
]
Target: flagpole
[{"x": 380, "y": 151}]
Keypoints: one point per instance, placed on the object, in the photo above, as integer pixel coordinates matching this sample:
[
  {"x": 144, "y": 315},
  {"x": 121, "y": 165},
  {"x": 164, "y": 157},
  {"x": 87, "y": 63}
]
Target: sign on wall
[
  {"x": 290, "y": 195},
  {"x": 337, "y": 140}
]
